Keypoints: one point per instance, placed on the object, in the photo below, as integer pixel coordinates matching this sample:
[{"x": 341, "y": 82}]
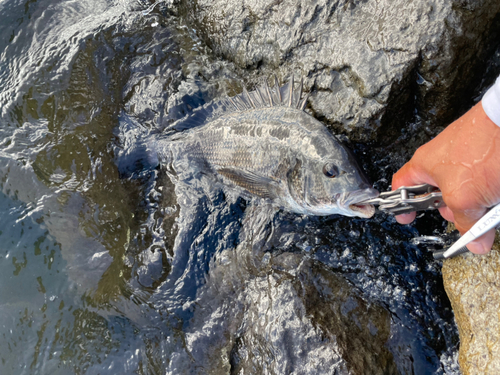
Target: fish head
[{"x": 332, "y": 184}]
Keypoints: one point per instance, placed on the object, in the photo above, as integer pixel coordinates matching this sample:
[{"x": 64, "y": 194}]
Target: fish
[{"x": 264, "y": 145}]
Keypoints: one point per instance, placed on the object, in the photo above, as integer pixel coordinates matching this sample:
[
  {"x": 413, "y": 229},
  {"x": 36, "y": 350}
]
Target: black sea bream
[{"x": 264, "y": 145}]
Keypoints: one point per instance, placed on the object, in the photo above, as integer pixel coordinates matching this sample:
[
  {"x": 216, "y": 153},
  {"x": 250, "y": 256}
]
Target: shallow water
[{"x": 111, "y": 265}]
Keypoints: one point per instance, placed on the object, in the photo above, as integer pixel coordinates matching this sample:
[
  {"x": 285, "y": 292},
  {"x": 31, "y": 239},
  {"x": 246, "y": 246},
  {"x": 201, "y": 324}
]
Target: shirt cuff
[{"x": 491, "y": 102}]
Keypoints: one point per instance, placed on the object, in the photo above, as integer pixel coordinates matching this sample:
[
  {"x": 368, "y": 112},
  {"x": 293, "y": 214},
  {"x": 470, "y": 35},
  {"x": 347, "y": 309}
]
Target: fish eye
[{"x": 330, "y": 170}]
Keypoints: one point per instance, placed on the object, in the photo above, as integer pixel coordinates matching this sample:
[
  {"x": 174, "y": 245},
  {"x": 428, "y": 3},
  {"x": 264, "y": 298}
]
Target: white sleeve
[{"x": 491, "y": 102}]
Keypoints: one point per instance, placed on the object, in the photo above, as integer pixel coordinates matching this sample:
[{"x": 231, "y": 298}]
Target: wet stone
[
  {"x": 290, "y": 316},
  {"x": 367, "y": 64},
  {"x": 472, "y": 283}
]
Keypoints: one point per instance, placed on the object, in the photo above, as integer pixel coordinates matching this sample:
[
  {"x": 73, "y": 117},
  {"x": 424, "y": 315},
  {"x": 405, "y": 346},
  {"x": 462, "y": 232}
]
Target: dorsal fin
[
  {"x": 262, "y": 97},
  {"x": 269, "y": 96}
]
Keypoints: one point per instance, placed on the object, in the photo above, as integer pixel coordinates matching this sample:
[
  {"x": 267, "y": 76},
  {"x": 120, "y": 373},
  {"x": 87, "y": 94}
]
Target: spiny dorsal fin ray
[
  {"x": 268, "y": 92},
  {"x": 258, "y": 96},
  {"x": 303, "y": 102},
  {"x": 263, "y": 97},
  {"x": 297, "y": 94},
  {"x": 277, "y": 92},
  {"x": 291, "y": 83},
  {"x": 247, "y": 97},
  {"x": 286, "y": 92},
  {"x": 291, "y": 95}
]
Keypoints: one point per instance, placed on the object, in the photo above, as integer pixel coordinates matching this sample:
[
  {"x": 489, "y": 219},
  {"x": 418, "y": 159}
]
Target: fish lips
[{"x": 350, "y": 202}]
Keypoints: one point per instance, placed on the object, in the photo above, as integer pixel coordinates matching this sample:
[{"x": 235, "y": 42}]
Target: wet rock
[
  {"x": 291, "y": 316},
  {"x": 473, "y": 286},
  {"x": 369, "y": 66},
  {"x": 360, "y": 329}
]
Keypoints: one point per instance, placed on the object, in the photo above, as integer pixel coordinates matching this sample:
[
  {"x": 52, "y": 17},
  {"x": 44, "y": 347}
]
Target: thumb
[
  {"x": 410, "y": 174},
  {"x": 464, "y": 220},
  {"x": 482, "y": 245}
]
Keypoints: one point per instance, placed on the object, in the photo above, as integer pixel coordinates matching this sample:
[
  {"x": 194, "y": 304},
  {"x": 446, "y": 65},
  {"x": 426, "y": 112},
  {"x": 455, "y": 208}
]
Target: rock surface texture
[
  {"x": 473, "y": 286},
  {"x": 367, "y": 64}
]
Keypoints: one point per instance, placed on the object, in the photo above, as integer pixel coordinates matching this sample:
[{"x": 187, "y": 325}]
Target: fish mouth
[
  {"x": 364, "y": 210},
  {"x": 354, "y": 206}
]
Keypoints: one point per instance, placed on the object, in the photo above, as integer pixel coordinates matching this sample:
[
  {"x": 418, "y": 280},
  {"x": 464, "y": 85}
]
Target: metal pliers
[{"x": 408, "y": 199}]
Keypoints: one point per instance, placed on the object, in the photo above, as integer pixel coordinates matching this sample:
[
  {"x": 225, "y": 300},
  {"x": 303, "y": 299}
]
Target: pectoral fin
[{"x": 260, "y": 186}]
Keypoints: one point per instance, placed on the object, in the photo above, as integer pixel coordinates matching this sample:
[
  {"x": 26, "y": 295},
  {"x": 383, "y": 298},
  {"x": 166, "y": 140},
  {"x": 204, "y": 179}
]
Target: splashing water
[{"x": 151, "y": 8}]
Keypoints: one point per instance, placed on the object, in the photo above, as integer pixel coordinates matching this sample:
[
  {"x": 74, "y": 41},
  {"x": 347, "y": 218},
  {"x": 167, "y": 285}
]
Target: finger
[
  {"x": 411, "y": 174},
  {"x": 483, "y": 244},
  {"x": 404, "y": 177},
  {"x": 447, "y": 214},
  {"x": 406, "y": 218}
]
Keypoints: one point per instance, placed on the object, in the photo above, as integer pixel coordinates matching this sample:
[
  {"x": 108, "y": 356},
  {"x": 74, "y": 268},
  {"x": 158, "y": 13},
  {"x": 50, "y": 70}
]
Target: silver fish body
[{"x": 280, "y": 153}]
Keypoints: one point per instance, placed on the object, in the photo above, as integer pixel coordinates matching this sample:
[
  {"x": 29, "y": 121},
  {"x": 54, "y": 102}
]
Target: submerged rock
[
  {"x": 369, "y": 65},
  {"x": 473, "y": 286}
]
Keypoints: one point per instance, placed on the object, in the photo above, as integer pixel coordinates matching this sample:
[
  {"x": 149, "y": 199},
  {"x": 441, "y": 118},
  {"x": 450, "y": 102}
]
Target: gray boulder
[{"x": 370, "y": 66}]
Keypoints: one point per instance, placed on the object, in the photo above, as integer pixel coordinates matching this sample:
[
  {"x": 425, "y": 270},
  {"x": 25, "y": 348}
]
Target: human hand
[{"x": 464, "y": 162}]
